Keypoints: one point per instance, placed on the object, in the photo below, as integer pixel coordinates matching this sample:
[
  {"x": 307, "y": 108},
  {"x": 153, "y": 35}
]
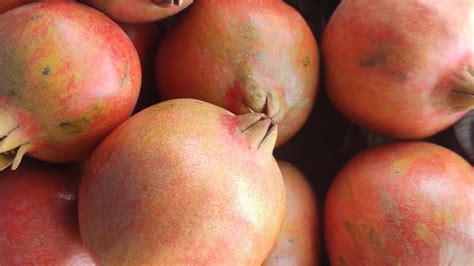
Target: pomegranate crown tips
[
  {"x": 13, "y": 142},
  {"x": 57, "y": 101},
  {"x": 168, "y": 3},
  {"x": 140, "y": 11},
  {"x": 462, "y": 93}
]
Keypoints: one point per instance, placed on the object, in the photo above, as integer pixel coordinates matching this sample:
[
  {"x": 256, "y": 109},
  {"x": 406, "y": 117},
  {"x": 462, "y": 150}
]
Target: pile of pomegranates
[{"x": 181, "y": 132}]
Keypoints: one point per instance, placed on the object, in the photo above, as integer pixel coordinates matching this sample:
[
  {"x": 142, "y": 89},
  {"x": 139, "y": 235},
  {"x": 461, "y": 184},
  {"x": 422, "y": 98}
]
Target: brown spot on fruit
[
  {"x": 306, "y": 61},
  {"x": 46, "y": 71},
  {"x": 375, "y": 59},
  {"x": 35, "y": 17},
  {"x": 383, "y": 59},
  {"x": 74, "y": 126}
]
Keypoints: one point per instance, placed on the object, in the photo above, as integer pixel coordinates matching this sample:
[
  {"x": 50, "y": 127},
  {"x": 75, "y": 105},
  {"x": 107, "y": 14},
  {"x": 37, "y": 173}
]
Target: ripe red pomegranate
[
  {"x": 183, "y": 182},
  {"x": 298, "y": 243},
  {"x": 140, "y": 11},
  {"x": 408, "y": 203},
  {"x": 145, "y": 39},
  {"x": 68, "y": 76},
  {"x": 245, "y": 57},
  {"x": 38, "y": 217},
  {"x": 404, "y": 69}
]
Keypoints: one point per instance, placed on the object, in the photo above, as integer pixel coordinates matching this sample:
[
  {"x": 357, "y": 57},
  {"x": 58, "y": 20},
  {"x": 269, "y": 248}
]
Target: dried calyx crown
[
  {"x": 168, "y": 3},
  {"x": 462, "y": 94},
  {"x": 13, "y": 142}
]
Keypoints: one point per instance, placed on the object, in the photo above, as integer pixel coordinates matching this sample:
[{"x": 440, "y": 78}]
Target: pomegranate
[
  {"x": 69, "y": 76},
  {"x": 257, "y": 56},
  {"x": 183, "y": 182},
  {"x": 38, "y": 217},
  {"x": 406, "y": 203},
  {"x": 404, "y": 69},
  {"x": 145, "y": 39},
  {"x": 298, "y": 243},
  {"x": 140, "y": 11}
]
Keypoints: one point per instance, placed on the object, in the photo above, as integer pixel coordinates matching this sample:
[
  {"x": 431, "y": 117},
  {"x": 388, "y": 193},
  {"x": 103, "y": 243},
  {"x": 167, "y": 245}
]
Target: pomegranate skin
[
  {"x": 244, "y": 56},
  {"x": 56, "y": 96},
  {"x": 298, "y": 242},
  {"x": 137, "y": 11},
  {"x": 407, "y": 203},
  {"x": 38, "y": 217},
  {"x": 6, "y": 5},
  {"x": 145, "y": 38},
  {"x": 404, "y": 69},
  {"x": 183, "y": 182}
]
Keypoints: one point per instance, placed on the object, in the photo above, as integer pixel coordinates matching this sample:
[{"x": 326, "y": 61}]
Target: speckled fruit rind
[
  {"x": 244, "y": 56},
  {"x": 298, "y": 242},
  {"x": 38, "y": 218},
  {"x": 183, "y": 182},
  {"x": 68, "y": 76},
  {"x": 139, "y": 11},
  {"x": 404, "y": 69},
  {"x": 406, "y": 203}
]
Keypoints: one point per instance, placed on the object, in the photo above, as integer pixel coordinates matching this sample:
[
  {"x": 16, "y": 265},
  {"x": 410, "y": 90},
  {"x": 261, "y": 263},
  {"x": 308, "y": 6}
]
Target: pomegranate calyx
[
  {"x": 14, "y": 144},
  {"x": 168, "y": 3},
  {"x": 259, "y": 130},
  {"x": 269, "y": 105},
  {"x": 462, "y": 94}
]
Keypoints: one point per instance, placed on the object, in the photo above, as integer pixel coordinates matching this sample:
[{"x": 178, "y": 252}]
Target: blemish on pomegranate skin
[
  {"x": 125, "y": 77},
  {"x": 46, "y": 71},
  {"x": 35, "y": 17},
  {"x": 306, "y": 61},
  {"x": 74, "y": 127},
  {"x": 380, "y": 59},
  {"x": 375, "y": 59}
]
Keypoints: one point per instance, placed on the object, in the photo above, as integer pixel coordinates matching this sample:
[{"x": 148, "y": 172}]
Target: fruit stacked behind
[{"x": 187, "y": 182}]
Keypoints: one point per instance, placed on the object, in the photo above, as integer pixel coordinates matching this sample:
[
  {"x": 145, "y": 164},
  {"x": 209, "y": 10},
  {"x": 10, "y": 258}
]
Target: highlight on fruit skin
[
  {"x": 404, "y": 203},
  {"x": 387, "y": 73},
  {"x": 183, "y": 182},
  {"x": 140, "y": 11},
  {"x": 57, "y": 101}
]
